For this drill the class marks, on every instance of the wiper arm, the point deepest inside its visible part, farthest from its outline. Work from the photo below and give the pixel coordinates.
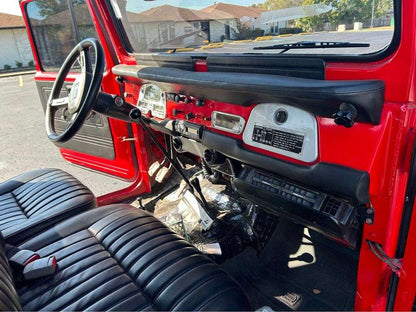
(313, 45)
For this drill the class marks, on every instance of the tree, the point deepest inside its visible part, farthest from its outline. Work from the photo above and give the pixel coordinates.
(52, 7)
(271, 5)
(345, 12)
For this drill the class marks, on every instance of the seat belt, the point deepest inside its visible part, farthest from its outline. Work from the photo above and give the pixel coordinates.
(20, 257)
(28, 265)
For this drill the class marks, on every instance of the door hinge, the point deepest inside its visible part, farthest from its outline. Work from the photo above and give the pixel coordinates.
(395, 264)
(125, 139)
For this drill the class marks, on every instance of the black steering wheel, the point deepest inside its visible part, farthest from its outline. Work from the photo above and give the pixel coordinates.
(84, 92)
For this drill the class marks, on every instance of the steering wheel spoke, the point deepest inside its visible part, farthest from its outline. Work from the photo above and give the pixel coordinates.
(71, 120)
(86, 66)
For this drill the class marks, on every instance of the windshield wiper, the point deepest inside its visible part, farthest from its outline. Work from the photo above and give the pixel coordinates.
(313, 45)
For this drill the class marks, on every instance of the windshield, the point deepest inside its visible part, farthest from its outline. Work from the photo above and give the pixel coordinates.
(256, 26)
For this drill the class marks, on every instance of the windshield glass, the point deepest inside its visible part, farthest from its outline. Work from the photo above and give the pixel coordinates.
(257, 26)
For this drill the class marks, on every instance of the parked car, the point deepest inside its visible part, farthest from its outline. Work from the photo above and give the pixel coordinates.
(269, 174)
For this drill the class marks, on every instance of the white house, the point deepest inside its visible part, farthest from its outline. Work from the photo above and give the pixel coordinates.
(14, 40)
(271, 21)
(170, 26)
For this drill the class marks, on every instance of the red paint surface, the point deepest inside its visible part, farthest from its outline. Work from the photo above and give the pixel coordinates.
(383, 150)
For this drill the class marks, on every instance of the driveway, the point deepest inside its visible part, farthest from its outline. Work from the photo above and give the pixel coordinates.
(23, 141)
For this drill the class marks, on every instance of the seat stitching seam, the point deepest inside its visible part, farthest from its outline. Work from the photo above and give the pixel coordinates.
(158, 255)
(173, 279)
(194, 288)
(110, 291)
(18, 205)
(69, 277)
(85, 293)
(116, 250)
(166, 266)
(78, 285)
(214, 297)
(72, 243)
(128, 231)
(154, 247)
(130, 248)
(128, 297)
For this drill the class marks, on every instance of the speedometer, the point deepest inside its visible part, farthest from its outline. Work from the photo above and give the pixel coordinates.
(152, 100)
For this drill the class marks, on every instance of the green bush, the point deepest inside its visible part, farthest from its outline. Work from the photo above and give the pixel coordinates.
(19, 64)
(290, 30)
(31, 63)
(7, 67)
(258, 32)
(245, 32)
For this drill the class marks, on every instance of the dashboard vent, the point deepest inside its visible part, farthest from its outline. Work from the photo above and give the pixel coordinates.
(332, 206)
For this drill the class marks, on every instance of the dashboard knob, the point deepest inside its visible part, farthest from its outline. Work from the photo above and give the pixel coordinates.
(281, 116)
(135, 114)
(346, 115)
(200, 102)
(176, 111)
(190, 116)
(177, 98)
(177, 144)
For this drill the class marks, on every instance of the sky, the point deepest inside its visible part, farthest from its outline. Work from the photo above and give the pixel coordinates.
(10, 7)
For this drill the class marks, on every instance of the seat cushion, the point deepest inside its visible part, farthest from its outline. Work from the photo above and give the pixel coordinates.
(36, 200)
(121, 258)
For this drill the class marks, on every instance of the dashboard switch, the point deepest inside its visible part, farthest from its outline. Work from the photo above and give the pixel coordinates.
(200, 102)
(190, 116)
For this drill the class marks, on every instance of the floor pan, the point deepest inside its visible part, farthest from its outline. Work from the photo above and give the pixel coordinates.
(298, 270)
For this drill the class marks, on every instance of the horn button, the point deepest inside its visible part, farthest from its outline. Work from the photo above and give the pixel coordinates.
(75, 95)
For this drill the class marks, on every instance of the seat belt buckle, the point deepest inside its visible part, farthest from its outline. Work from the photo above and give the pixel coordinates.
(23, 257)
(40, 268)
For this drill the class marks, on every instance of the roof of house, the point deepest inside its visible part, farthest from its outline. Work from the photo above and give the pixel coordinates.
(237, 11)
(166, 13)
(218, 11)
(11, 21)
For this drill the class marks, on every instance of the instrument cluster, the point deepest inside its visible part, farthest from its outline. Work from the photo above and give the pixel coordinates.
(152, 100)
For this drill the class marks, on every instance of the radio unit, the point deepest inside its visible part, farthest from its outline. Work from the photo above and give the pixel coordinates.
(324, 213)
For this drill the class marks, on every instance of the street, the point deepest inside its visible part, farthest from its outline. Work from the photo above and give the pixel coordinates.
(377, 39)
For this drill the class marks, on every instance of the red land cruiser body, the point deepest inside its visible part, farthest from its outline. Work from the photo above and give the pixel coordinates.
(317, 135)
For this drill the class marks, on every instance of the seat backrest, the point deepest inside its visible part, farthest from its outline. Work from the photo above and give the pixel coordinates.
(9, 300)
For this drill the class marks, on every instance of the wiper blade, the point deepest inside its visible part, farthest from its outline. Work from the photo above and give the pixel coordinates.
(313, 45)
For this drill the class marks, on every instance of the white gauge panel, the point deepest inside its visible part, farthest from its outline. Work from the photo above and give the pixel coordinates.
(152, 100)
(284, 130)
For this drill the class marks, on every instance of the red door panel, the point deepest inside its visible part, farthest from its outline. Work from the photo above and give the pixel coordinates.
(86, 149)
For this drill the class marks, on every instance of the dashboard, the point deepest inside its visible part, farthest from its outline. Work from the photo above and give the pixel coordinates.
(266, 142)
